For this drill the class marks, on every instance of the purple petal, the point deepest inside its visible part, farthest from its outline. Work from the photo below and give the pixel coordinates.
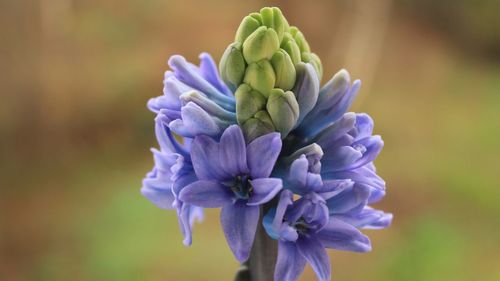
(331, 134)
(330, 188)
(205, 158)
(314, 252)
(158, 192)
(209, 71)
(195, 121)
(341, 157)
(306, 89)
(273, 220)
(364, 125)
(262, 154)
(343, 236)
(264, 190)
(239, 223)
(348, 199)
(206, 194)
(368, 218)
(232, 151)
(290, 263)
(189, 75)
(370, 147)
(298, 172)
(187, 216)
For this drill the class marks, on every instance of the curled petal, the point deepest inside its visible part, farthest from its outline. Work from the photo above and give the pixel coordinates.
(371, 147)
(158, 192)
(343, 236)
(208, 69)
(348, 199)
(264, 190)
(368, 218)
(195, 121)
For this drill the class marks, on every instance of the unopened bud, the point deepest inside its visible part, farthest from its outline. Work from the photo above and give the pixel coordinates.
(248, 103)
(259, 125)
(260, 76)
(291, 47)
(247, 26)
(273, 18)
(284, 70)
(232, 66)
(261, 44)
(300, 39)
(283, 110)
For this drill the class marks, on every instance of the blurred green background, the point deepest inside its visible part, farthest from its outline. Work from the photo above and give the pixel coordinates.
(75, 133)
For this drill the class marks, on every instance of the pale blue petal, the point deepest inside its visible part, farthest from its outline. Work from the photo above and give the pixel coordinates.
(262, 154)
(239, 223)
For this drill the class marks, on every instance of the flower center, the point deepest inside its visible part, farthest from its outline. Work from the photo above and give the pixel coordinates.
(301, 226)
(241, 187)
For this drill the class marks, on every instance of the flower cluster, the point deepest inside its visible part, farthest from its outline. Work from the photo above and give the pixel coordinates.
(264, 133)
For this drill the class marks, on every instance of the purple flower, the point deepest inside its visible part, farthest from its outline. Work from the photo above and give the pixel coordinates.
(304, 229)
(172, 172)
(195, 100)
(234, 176)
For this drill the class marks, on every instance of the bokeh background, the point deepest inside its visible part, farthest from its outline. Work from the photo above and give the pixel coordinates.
(75, 134)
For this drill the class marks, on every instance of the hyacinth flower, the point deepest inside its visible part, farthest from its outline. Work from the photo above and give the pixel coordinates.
(304, 230)
(172, 171)
(258, 137)
(195, 100)
(234, 176)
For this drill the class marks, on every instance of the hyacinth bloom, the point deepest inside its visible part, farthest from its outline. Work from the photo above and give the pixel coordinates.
(234, 176)
(172, 171)
(304, 230)
(260, 135)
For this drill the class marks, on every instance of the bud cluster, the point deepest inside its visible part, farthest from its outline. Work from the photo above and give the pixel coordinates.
(263, 67)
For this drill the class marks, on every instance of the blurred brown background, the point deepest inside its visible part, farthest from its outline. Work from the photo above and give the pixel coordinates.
(75, 133)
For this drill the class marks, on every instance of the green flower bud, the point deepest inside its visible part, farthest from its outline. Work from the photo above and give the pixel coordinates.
(232, 66)
(273, 18)
(248, 103)
(247, 27)
(257, 126)
(313, 59)
(257, 17)
(260, 76)
(291, 47)
(283, 109)
(300, 39)
(284, 70)
(261, 44)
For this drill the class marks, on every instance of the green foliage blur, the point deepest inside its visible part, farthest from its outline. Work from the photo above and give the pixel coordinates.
(75, 134)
